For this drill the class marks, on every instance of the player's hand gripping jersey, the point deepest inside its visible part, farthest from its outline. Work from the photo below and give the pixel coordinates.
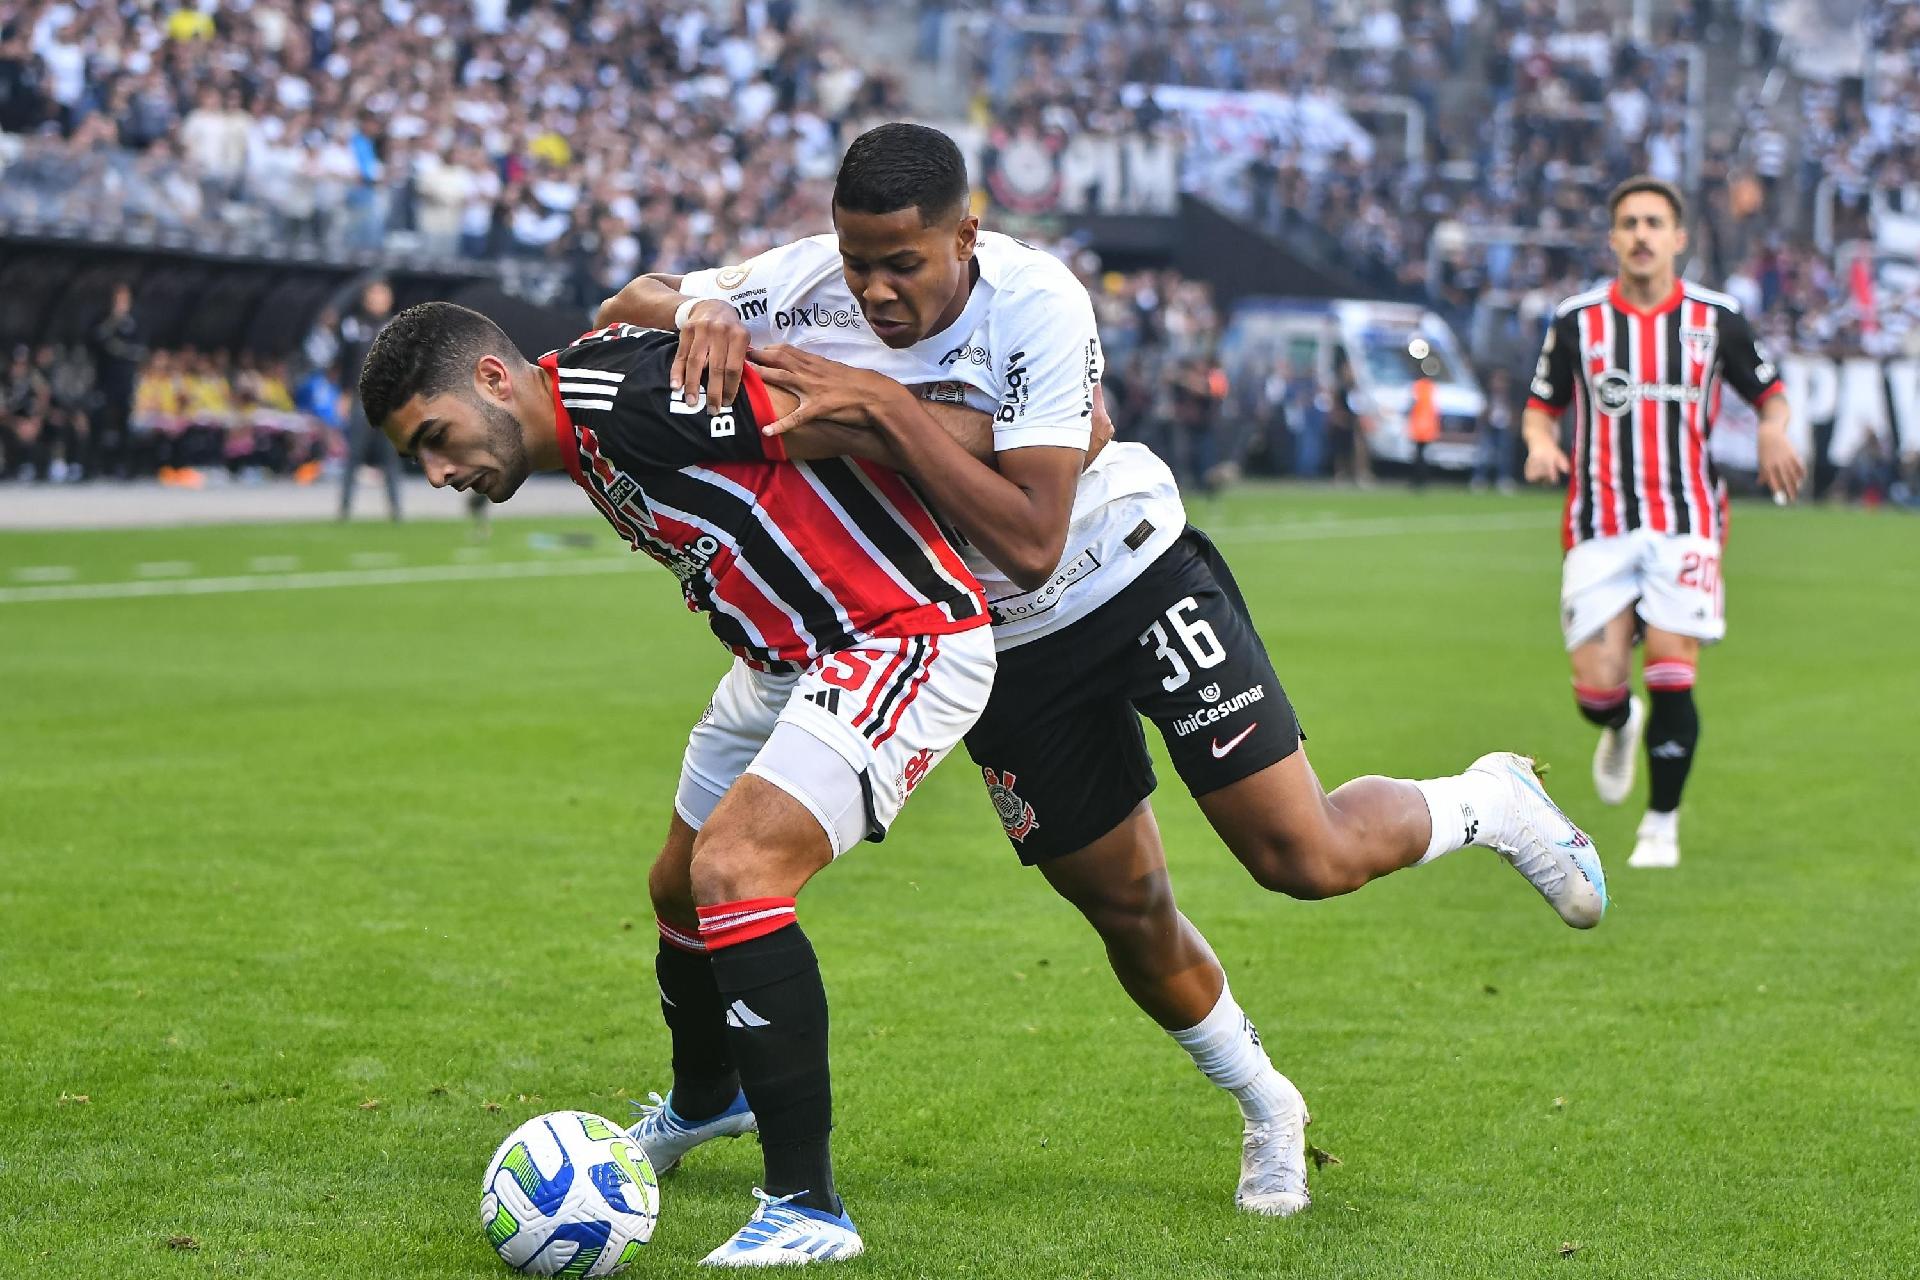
(790, 560)
(1645, 389)
(1025, 350)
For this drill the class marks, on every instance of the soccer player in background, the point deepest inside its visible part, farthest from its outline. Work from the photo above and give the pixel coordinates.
(861, 651)
(1641, 362)
(1106, 606)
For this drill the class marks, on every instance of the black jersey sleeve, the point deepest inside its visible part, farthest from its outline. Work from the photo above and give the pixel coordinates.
(1552, 387)
(1744, 365)
(616, 382)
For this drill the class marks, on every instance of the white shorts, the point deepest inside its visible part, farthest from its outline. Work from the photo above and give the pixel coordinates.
(849, 738)
(1672, 579)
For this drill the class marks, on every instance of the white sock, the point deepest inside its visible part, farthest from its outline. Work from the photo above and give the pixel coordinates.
(1463, 808)
(1227, 1050)
(1661, 824)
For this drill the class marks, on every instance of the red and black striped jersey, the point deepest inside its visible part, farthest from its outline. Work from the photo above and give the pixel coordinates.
(1645, 389)
(789, 560)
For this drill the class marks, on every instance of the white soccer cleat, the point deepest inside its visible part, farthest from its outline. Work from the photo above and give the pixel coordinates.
(780, 1234)
(1657, 843)
(665, 1137)
(1273, 1162)
(1614, 758)
(1542, 843)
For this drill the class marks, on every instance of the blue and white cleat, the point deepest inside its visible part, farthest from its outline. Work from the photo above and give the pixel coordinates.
(665, 1137)
(780, 1234)
(1543, 844)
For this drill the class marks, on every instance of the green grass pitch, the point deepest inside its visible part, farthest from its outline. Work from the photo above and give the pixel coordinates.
(308, 896)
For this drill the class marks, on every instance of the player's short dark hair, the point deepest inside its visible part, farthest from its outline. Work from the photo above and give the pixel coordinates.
(1646, 182)
(427, 350)
(902, 166)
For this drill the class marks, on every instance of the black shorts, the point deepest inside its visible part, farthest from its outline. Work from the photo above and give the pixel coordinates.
(1060, 745)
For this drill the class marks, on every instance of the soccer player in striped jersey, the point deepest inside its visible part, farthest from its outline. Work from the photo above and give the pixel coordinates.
(862, 655)
(1641, 362)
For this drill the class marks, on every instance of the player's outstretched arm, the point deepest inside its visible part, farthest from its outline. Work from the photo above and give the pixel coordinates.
(1546, 461)
(713, 338)
(825, 438)
(1016, 516)
(971, 429)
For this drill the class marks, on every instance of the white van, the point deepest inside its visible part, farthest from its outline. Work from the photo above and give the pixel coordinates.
(1373, 337)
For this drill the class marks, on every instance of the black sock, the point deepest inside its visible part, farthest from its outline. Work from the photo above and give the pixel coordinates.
(1607, 708)
(704, 1080)
(777, 1027)
(1673, 731)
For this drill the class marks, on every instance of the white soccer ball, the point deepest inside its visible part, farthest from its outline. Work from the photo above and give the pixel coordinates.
(569, 1194)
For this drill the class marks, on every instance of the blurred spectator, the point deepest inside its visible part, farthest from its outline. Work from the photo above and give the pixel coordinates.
(365, 444)
(1423, 415)
(117, 355)
(1494, 463)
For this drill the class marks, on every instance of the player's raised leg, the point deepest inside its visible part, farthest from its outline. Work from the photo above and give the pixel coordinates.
(1673, 734)
(1119, 883)
(1297, 839)
(1203, 675)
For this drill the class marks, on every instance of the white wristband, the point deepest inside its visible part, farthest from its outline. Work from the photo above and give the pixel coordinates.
(684, 310)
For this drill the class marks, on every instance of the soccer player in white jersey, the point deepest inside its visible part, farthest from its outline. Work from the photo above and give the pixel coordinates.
(1106, 606)
(1641, 362)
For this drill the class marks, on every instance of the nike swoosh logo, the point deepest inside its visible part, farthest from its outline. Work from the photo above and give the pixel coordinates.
(1220, 752)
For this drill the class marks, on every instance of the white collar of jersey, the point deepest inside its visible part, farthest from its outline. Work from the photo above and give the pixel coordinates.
(991, 249)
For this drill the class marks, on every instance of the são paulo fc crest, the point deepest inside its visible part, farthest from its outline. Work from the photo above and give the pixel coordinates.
(1016, 815)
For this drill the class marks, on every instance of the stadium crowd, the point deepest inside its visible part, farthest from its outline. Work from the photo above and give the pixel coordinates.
(191, 415)
(595, 140)
(595, 137)
(1531, 111)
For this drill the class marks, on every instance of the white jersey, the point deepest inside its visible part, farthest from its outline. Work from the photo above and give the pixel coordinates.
(1024, 350)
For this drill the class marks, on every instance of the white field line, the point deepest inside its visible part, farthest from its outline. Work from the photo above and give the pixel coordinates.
(58, 586)
(314, 581)
(373, 559)
(45, 573)
(273, 564)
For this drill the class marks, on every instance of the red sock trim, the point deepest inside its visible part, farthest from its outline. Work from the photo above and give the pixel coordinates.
(728, 924)
(1670, 676)
(679, 939)
(1599, 699)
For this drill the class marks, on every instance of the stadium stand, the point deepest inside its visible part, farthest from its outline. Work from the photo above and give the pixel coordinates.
(1454, 152)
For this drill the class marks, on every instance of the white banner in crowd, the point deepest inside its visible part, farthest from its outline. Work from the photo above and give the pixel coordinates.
(1093, 173)
(1863, 397)
(1226, 128)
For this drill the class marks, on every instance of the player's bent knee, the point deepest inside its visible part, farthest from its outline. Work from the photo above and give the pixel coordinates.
(730, 873)
(670, 887)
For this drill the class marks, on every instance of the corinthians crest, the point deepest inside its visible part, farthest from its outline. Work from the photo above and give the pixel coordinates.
(1016, 815)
